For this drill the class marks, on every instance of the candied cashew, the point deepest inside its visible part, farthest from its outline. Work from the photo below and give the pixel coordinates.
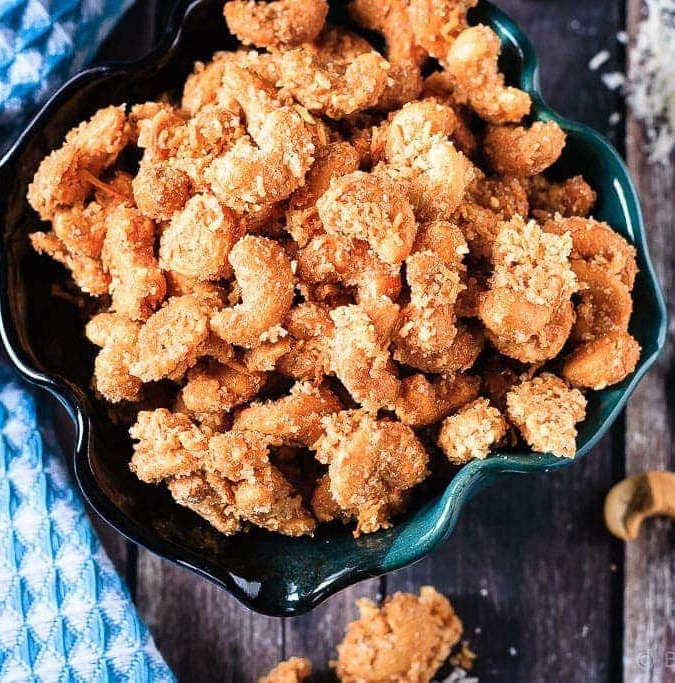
(264, 274)
(337, 258)
(390, 18)
(159, 190)
(332, 161)
(458, 357)
(372, 208)
(167, 445)
(636, 498)
(423, 402)
(443, 238)
(262, 495)
(603, 361)
(520, 151)
(597, 243)
(437, 23)
(408, 637)
(471, 63)
(269, 163)
(137, 285)
(361, 360)
(292, 670)
(198, 239)
(427, 324)
(419, 154)
(506, 196)
(413, 128)
(337, 75)
(572, 197)
(371, 464)
(81, 228)
(214, 387)
(279, 24)
(532, 278)
(310, 328)
(472, 432)
(545, 410)
(117, 336)
(87, 272)
(68, 175)
(546, 344)
(178, 284)
(172, 339)
(204, 84)
(214, 503)
(294, 419)
(605, 303)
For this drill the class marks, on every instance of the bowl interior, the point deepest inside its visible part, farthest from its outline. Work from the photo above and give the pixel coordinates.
(43, 332)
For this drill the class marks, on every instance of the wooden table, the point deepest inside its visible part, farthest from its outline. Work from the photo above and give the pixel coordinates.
(545, 593)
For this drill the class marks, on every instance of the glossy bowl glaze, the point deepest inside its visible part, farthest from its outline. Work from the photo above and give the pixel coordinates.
(43, 335)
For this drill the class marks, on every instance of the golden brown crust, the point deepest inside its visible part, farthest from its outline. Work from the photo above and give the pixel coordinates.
(65, 177)
(520, 151)
(437, 23)
(371, 464)
(596, 242)
(603, 361)
(171, 340)
(337, 75)
(117, 336)
(265, 277)
(471, 63)
(572, 197)
(472, 432)
(407, 639)
(295, 419)
(424, 402)
(315, 247)
(292, 670)
(545, 411)
(277, 24)
(137, 285)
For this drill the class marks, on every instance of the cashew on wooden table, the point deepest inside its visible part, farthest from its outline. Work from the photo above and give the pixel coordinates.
(632, 500)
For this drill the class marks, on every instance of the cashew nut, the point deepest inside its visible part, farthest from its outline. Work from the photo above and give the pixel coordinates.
(263, 272)
(636, 498)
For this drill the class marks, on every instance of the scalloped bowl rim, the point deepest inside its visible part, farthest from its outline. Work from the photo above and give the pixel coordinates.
(468, 480)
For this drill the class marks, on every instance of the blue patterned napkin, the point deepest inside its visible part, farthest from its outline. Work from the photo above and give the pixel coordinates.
(65, 615)
(42, 42)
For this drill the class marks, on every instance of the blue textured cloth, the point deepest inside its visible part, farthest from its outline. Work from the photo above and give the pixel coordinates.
(42, 42)
(65, 615)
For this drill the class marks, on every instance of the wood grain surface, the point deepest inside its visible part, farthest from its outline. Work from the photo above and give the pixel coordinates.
(545, 593)
(649, 611)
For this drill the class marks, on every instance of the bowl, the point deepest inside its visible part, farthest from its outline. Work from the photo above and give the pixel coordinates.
(43, 335)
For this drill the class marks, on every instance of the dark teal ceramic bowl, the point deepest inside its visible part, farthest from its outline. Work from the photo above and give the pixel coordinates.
(43, 337)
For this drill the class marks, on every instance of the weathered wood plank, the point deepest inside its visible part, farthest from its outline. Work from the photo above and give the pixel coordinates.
(530, 568)
(530, 571)
(649, 635)
(204, 634)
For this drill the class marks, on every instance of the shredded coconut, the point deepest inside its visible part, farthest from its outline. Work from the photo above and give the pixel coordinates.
(613, 80)
(651, 95)
(598, 60)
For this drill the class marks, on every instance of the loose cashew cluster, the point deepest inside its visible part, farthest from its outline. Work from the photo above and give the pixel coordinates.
(322, 274)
